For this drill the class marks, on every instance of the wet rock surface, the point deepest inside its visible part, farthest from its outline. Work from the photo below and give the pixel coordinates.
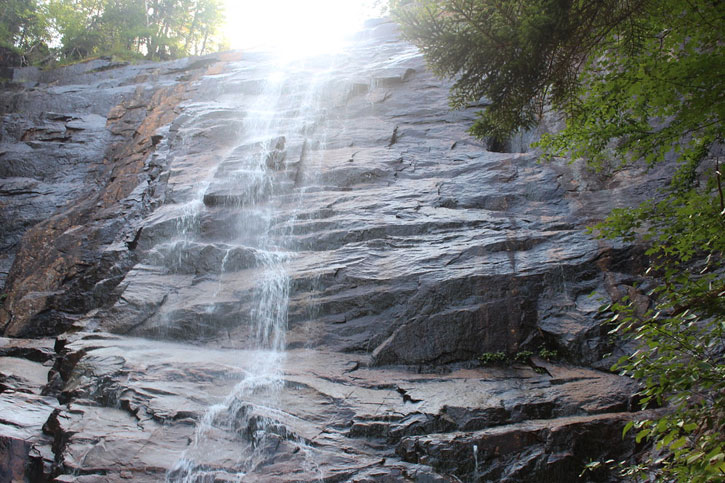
(408, 250)
(77, 171)
(25, 451)
(134, 404)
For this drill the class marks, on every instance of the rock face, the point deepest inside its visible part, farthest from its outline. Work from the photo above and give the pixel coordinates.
(174, 225)
(76, 167)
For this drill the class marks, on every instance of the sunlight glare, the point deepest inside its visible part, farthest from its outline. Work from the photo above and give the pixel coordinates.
(294, 27)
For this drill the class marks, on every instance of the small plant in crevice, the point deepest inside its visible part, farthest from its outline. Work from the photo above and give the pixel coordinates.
(492, 358)
(523, 357)
(548, 355)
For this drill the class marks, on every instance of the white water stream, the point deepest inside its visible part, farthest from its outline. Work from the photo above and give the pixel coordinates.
(279, 123)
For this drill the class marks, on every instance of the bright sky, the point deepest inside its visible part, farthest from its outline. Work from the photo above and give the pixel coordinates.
(296, 27)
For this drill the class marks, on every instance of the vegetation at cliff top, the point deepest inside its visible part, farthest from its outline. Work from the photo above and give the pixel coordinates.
(635, 81)
(42, 32)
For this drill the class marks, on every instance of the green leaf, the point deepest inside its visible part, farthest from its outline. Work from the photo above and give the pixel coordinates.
(627, 427)
(643, 433)
(678, 443)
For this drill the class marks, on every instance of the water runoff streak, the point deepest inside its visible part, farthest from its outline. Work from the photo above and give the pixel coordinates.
(256, 180)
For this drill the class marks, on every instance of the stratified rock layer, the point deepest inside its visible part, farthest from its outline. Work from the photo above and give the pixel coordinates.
(409, 249)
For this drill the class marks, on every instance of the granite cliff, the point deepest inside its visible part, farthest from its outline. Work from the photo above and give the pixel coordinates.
(154, 213)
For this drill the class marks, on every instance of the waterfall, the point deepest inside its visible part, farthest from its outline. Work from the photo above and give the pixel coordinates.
(263, 271)
(261, 169)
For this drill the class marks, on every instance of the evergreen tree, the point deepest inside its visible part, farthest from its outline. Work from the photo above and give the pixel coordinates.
(635, 81)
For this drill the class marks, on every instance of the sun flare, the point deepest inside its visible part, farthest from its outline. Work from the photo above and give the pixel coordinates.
(294, 27)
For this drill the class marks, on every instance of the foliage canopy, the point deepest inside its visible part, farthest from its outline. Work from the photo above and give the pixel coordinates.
(24, 28)
(635, 81)
(155, 29)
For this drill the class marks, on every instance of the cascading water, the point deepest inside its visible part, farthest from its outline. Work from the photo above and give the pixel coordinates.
(257, 175)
